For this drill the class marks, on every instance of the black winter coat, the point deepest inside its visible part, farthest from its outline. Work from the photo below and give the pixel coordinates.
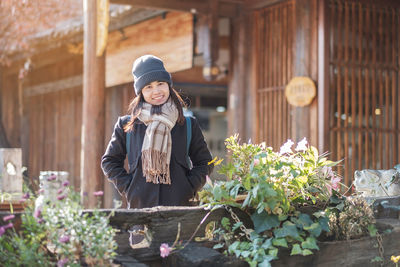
(185, 182)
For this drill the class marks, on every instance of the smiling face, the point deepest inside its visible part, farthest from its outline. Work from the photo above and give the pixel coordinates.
(156, 93)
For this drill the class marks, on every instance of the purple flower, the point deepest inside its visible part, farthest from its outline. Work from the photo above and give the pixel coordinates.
(9, 225)
(66, 183)
(60, 197)
(8, 217)
(2, 231)
(37, 213)
(40, 220)
(62, 262)
(98, 193)
(64, 239)
(26, 196)
(51, 178)
(164, 250)
(59, 191)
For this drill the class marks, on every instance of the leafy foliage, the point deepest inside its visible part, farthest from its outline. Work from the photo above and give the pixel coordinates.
(276, 188)
(59, 233)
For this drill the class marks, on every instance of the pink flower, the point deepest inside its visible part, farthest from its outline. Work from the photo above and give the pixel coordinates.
(37, 213)
(62, 262)
(208, 180)
(256, 162)
(165, 250)
(10, 225)
(41, 190)
(51, 178)
(302, 145)
(60, 197)
(66, 183)
(334, 183)
(98, 193)
(2, 231)
(64, 239)
(286, 148)
(8, 217)
(59, 191)
(335, 180)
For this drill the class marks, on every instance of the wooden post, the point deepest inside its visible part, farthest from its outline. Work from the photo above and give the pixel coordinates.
(323, 77)
(3, 137)
(304, 119)
(92, 139)
(239, 95)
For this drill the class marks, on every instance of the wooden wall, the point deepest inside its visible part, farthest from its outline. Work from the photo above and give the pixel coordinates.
(284, 46)
(364, 62)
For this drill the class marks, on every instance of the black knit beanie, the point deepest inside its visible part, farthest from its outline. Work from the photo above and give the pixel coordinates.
(147, 69)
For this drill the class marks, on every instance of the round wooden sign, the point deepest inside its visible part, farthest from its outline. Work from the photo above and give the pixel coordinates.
(300, 91)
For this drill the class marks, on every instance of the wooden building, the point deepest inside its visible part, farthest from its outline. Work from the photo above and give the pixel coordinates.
(349, 48)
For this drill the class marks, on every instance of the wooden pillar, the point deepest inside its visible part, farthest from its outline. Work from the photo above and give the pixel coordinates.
(323, 76)
(239, 92)
(93, 123)
(3, 136)
(304, 119)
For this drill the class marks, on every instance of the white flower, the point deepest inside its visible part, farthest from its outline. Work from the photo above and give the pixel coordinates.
(285, 149)
(302, 145)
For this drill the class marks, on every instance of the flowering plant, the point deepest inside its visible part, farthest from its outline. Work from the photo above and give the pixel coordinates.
(276, 187)
(58, 233)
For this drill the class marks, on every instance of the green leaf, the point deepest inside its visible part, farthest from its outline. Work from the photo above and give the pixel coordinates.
(315, 229)
(288, 229)
(324, 222)
(304, 220)
(372, 230)
(236, 225)
(245, 254)
(264, 221)
(266, 262)
(267, 244)
(220, 245)
(281, 242)
(217, 192)
(296, 250)
(273, 252)
(310, 243)
(226, 223)
(282, 217)
(307, 252)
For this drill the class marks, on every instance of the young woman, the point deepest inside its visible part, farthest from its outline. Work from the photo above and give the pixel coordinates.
(159, 172)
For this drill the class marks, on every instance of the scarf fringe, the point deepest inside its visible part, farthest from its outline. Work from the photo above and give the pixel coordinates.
(151, 159)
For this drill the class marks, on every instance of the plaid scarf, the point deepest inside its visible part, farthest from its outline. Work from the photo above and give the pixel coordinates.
(157, 143)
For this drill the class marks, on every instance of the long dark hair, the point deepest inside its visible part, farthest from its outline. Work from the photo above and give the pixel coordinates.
(136, 105)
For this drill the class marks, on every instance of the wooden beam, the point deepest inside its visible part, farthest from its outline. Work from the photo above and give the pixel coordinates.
(258, 4)
(50, 87)
(92, 138)
(227, 8)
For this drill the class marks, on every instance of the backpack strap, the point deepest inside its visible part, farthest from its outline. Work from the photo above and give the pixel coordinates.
(188, 139)
(128, 145)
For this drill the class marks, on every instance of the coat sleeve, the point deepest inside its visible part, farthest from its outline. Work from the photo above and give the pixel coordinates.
(112, 162)
(200, 156)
